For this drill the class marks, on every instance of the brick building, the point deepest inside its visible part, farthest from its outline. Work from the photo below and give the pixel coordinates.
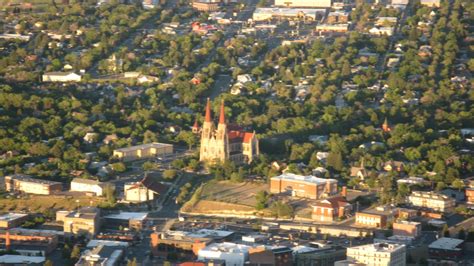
(330, 209)
(303, 186)
(270, 255)
(470, 195)
(29, 241)
(407, 228)
(337, 17)
(185, 244)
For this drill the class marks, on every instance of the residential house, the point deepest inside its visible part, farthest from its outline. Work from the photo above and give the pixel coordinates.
(393, 166)
(145, 190)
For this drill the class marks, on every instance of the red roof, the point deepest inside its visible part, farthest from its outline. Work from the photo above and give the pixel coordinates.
(208, 111)
(246, 137)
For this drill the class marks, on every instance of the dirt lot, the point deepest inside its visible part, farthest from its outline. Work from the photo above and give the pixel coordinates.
(236, 193)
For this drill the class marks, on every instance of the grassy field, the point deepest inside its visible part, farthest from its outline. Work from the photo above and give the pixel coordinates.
(236, 193)
(41, 203)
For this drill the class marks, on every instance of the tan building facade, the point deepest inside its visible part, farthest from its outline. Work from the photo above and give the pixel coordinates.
(226, 143)
(303, 186)
(432, 200)
(372, 220)
(29, 185)
(143, 151)
(85, 221)
(379, 254)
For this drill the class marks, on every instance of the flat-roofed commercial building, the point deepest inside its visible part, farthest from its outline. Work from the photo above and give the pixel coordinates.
(186, 244)
(29, 240)
(378, 254)
(445, 251)
(143, 151)
(11, 220)
(304, 3)
(85, 221)
(303, 186)
(29, 185)
(432, 200)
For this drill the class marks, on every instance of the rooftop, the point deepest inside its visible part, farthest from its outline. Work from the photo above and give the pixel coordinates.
(287, 11)
(226, 247)
(379, 247)
(85, 181)
(27, 178)
(98, 242)
(302, 178)
(11, 216)
(446, 243)
(23, 260)
(128, 216)
(144, 146)
(430, 194)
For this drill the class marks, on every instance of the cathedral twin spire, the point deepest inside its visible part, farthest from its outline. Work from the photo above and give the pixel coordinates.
(208, 112)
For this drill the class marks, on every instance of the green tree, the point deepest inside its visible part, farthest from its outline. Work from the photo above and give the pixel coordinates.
(262, 198)
(170, 174)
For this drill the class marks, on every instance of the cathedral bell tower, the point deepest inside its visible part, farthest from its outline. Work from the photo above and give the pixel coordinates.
(222, 138)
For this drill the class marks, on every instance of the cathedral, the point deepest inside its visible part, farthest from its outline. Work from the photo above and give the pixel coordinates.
(226, 142)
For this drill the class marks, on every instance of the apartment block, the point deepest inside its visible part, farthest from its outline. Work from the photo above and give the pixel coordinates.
(432, 200)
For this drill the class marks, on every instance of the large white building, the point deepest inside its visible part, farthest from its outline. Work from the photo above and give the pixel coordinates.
(143, 151)
(61, 77)
(432, 200)
(233, 254)
(268, 13)
(379, 254)
(88, 185)
(304, 3)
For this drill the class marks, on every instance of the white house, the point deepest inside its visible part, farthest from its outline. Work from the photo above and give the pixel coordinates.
(88, 185)
(61, 77)
(381, 31)
(244, 78)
